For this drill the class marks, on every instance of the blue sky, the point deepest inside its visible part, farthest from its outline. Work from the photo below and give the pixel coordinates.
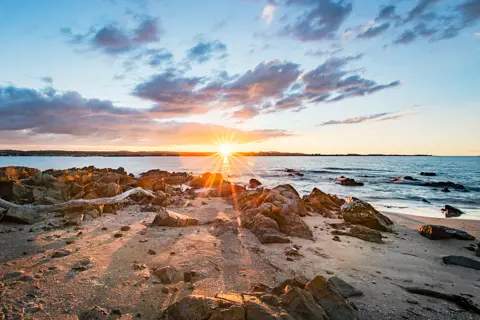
(317, 76)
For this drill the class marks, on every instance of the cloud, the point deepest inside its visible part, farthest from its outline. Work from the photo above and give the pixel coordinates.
(320, 21)
(269, 11)
(271, 86)
(112, 39)
(30, 116)
(384, 116)
(374, 31)
(207, 50)
(419, 10)
(406, 37)
(387, 13)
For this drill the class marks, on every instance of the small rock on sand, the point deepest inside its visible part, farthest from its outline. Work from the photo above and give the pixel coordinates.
(61, 253)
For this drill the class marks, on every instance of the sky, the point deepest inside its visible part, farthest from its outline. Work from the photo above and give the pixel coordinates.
(312, 76)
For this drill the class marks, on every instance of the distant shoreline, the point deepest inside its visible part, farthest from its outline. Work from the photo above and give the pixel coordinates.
(62, 153)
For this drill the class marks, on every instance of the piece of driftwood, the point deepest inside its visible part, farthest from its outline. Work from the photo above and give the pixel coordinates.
(29, 213)
(463, 302)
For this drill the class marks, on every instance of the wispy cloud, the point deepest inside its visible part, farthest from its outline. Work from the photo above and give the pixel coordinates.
(269, 11)
(384, 116)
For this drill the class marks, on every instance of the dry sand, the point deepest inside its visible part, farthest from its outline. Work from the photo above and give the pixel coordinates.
(229, 263)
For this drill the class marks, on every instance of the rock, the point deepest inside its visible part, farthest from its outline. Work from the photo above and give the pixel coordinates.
(226, 189)
(166, 218)
(166, 274)
(336, 307)
(445, 189)
(256, 309)
(145, 183)
(300, 304)
(61, 253)
(173, 178)
(125, 228)
(118, 235)
(336, 238)
(361, 232)
(428, 174)
(293, 172)
(282, 204)
(151, 252)
(254, 183)
(266, 230)
(299, 282)
(462, 261)
(138, 266)
(207, 180)
(434, 232)
(83, 264)
(260, 287)
(188, 276)
(346, 290)
(452, 212)
(111, 190)
(348, 182)
(96, 313)
(192, 308)
(165, 290)
(159, 185)
(16, 173)
(356, 211)
(477, 252)
(12, 275)
(442, 184)
(324, 204)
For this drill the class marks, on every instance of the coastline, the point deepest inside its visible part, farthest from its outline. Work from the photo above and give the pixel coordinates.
(61, 267)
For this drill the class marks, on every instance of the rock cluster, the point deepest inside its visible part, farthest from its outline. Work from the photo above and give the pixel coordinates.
(324, 204)
(297, 299)
(273, 214)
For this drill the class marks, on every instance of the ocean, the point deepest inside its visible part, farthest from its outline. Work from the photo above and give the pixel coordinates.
(375, 172)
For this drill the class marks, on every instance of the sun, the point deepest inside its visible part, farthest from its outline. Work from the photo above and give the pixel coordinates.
(225, 150)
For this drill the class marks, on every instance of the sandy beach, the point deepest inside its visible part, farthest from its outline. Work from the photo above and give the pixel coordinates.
(120, 274)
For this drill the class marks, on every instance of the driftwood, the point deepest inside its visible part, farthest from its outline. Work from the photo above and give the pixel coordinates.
(29, 213)
(461, 301)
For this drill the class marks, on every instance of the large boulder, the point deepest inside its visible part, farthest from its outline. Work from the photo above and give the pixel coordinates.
(173, 178)
(345, 289)
(434, 232)
(356, 211)
(282, 204)
(226, 189)
(145, 183)
(207, 180)
(324, 204)
(254, 183)
(266, 230)
(325, 294)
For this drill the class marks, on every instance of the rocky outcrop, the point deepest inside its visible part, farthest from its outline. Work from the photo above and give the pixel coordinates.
(170, 178)
(292, 172)
(316, 299)
(348, 182)
(281, 204)
(324, 204)
(428, 174)
(356, 211)
(434, 232)
(226, 189)
(452, 212)
(345, 289)
(448, 184)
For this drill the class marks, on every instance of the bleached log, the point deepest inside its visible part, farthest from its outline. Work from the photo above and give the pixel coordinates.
(29, 213)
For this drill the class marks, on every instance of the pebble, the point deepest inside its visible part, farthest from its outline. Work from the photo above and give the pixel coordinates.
(151, 252)
(336, 238)
(118, 235)
(165, 290)
(125, 228)
(61, 253)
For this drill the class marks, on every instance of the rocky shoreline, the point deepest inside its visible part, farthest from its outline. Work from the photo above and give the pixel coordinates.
(205, 236)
